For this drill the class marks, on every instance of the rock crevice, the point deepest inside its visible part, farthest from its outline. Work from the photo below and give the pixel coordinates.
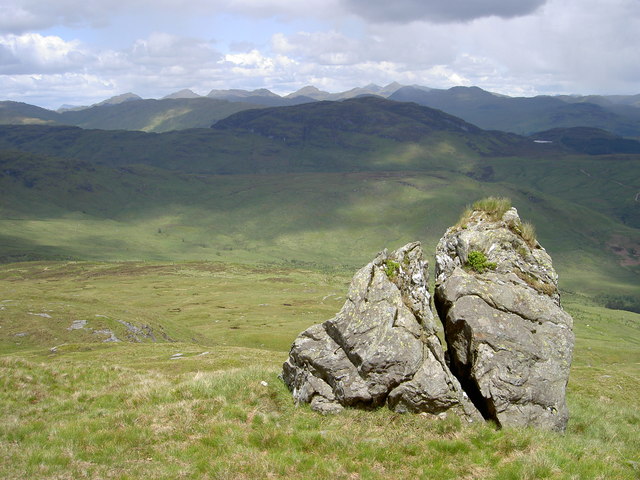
(510, 342)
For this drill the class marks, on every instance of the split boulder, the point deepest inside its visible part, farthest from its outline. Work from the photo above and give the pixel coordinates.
(509, 340)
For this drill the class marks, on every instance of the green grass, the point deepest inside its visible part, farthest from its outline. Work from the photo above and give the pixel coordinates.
(495, 207)
(528, 233)
(477, 261)
(223, 246)
(212, 304)
(313, 219)
(137, 410)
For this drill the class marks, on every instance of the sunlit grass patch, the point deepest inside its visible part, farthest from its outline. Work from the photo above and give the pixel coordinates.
(192, 410)
(495, 207)
(528, 233)
(209, 420)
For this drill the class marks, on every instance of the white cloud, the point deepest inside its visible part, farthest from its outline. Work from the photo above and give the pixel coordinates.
(324, 48)
(53, 90)
(576, 46)
(20, 16)
(38, 65)
(34, 53)
(166, 49)
(555, 46)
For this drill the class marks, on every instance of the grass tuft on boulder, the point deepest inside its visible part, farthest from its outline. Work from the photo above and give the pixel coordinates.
(495, 207)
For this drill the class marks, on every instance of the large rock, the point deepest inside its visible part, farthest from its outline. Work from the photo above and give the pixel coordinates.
(509, 340)
(381, 348)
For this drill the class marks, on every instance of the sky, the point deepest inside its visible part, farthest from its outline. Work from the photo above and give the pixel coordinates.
(79, 52)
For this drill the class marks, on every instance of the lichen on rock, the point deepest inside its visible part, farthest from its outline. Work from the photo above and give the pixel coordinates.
(381, 348)
(509, 340)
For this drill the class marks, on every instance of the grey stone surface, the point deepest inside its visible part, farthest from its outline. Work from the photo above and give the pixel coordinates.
(381, 348)
(510, 342)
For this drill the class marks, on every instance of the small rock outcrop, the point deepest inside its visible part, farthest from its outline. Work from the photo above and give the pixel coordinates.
(381, 348)
(509, 340)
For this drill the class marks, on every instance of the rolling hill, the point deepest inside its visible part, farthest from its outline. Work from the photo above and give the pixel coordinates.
(592, 141)
(185, 109)
(134, 114)
(348, 179)
(524, 115)
(355, 134)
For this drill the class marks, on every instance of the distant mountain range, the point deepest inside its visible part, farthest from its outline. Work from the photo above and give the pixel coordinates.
(526, 115)
(317, 136)
(617, 114)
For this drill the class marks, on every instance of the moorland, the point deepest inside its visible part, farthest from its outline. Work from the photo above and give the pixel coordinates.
(205, 250)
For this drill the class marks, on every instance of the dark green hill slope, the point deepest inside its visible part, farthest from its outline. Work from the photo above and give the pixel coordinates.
(591, 141)
(358, 134)
(18, 113)
(137, 114)
(154, 115)
(322, 121)
(524, 115)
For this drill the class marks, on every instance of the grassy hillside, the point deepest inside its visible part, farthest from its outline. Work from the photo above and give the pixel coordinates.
(68, 210)
(525, 115)
(204, 400)
(591, 141)
(358, 134)
(18, 113)
(145, 115)
(155, 115)
(351, 178)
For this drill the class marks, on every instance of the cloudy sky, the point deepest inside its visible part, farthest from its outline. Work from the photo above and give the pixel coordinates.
(55, 52)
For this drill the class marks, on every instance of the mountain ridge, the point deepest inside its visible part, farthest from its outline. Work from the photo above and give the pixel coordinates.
(271, 139)
(618, 114)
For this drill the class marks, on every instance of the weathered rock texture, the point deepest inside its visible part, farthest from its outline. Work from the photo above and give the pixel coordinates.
(381, 348)
(509, 340)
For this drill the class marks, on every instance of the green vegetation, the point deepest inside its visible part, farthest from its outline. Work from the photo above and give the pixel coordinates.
(90, 409)
(478, 262)
(528, 233)
(463, 221)
(494, 207)
(542, 287)
(591, 141)
(527, 115)
(620, 302)
(145, 115)
(207, 251)
(567, 115)
(391, 268)
(71, 209)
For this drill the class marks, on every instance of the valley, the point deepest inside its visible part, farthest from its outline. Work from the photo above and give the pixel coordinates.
(151, 285)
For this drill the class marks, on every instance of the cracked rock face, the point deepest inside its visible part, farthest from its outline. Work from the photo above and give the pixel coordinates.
(509, 340)
(381, 348)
